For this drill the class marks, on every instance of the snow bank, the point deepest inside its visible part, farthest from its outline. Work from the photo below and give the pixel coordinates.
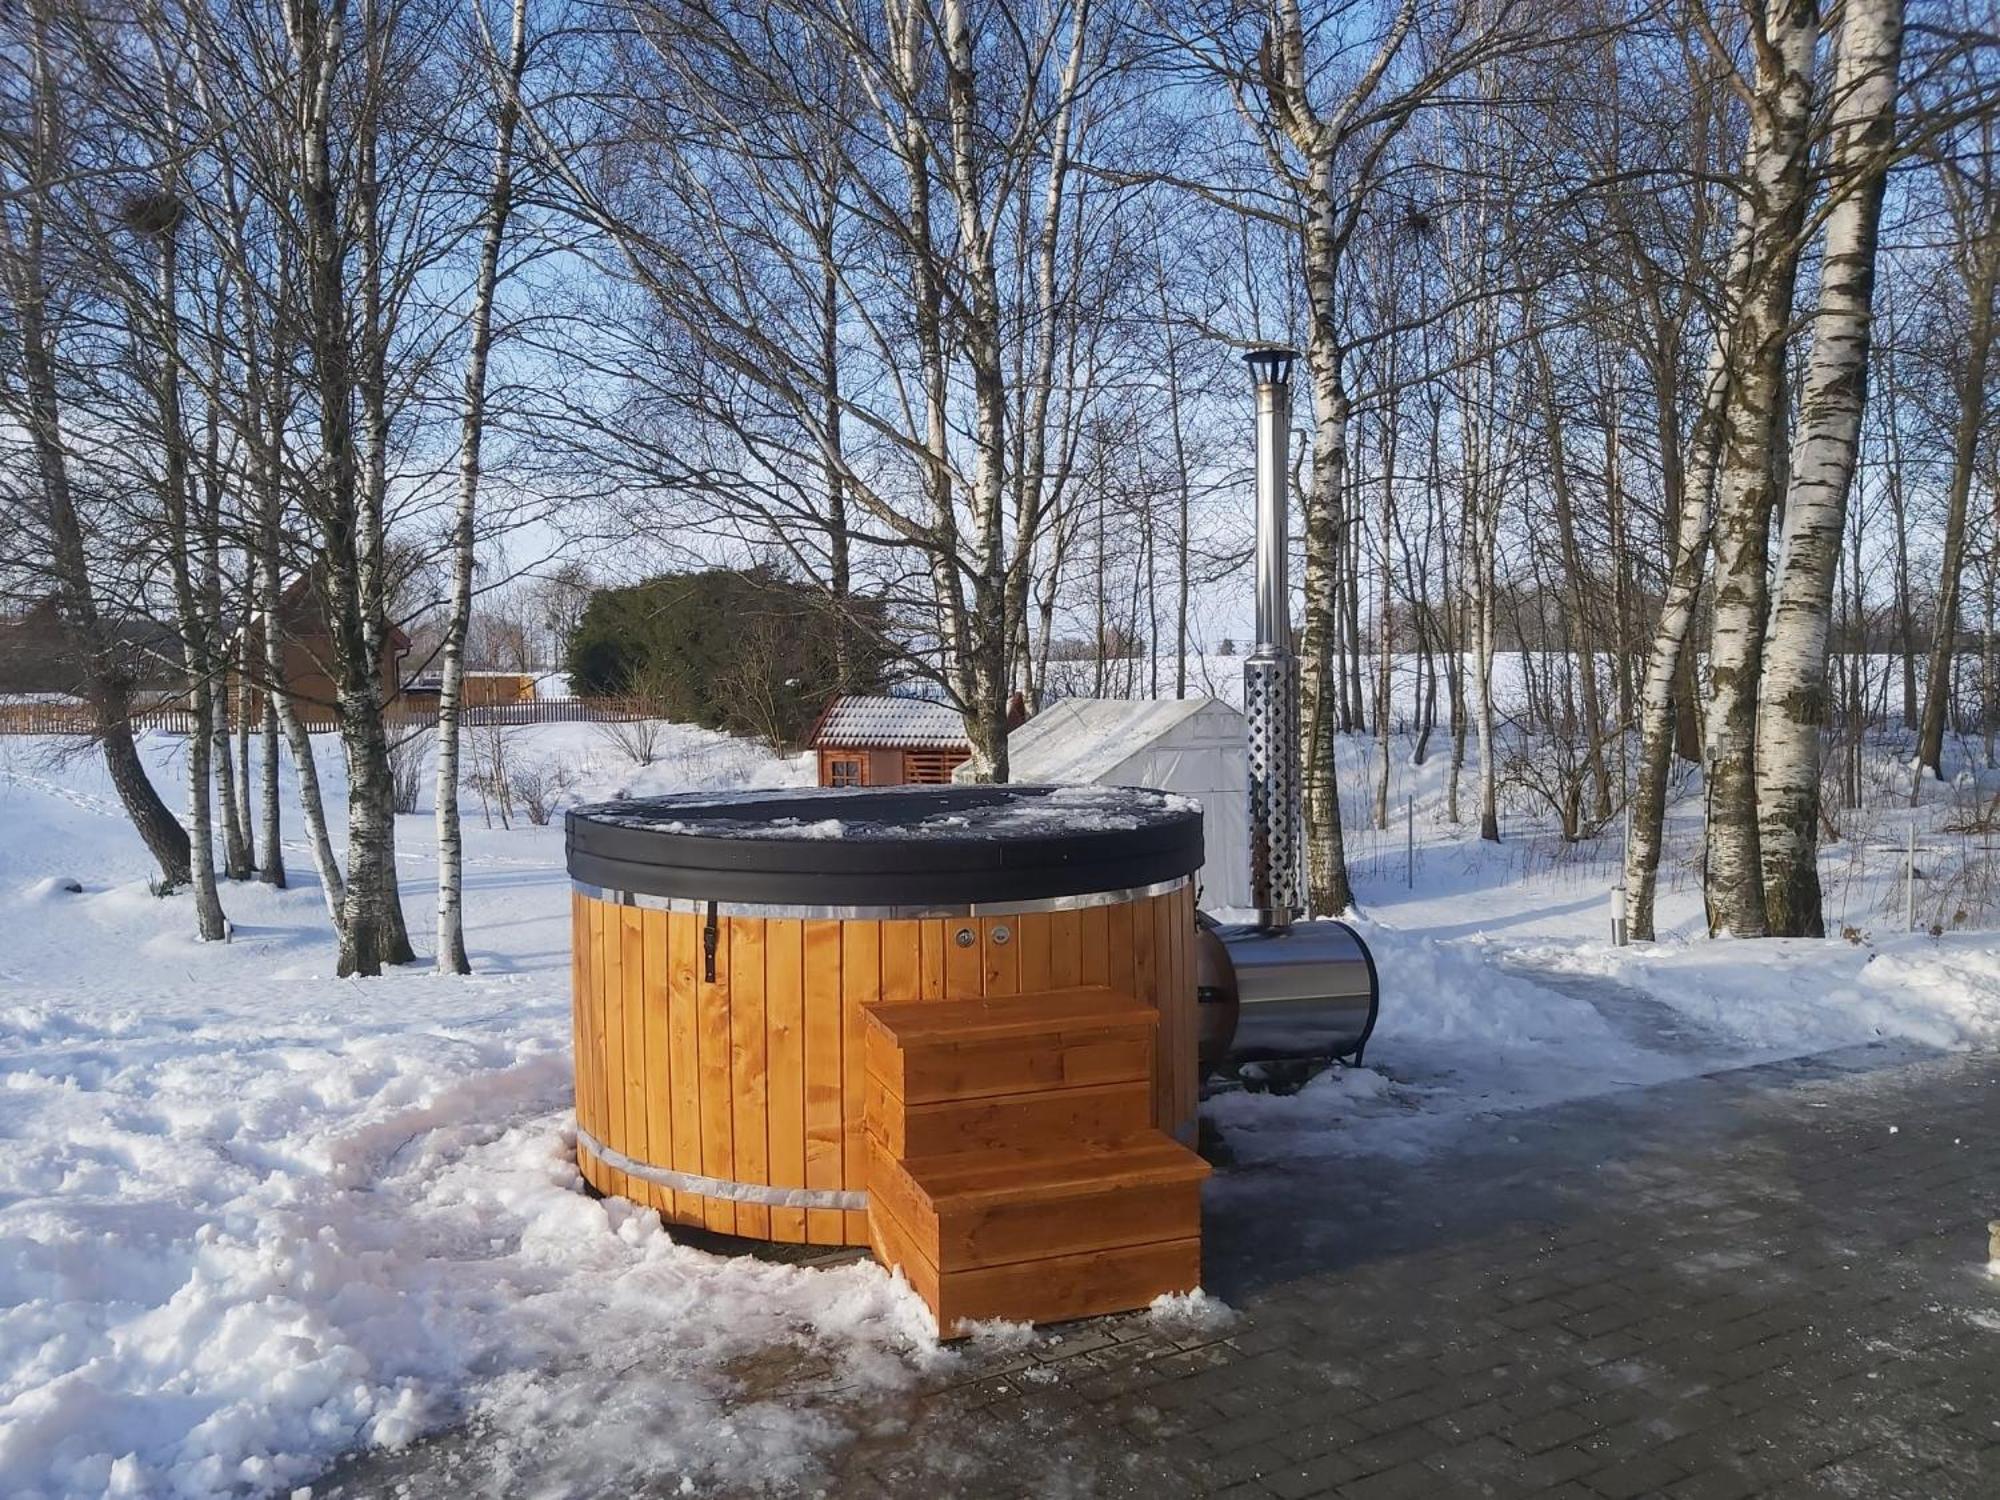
(1458, 1040)
(1793, 996)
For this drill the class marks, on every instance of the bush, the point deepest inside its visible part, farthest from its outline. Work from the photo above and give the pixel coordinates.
(745, 651)
(409, 770)
(539, 785)
(638, 740)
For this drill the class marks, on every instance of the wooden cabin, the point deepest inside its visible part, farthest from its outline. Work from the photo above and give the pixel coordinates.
(479, 690)
(308, 656)
(876, 740)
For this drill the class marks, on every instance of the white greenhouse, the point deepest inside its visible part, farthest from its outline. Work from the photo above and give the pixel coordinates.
(1194, 746)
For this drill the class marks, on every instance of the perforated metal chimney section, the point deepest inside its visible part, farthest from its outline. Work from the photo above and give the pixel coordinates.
(1271, 671)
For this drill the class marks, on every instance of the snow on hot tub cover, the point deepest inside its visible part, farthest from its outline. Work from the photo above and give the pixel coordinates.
(901, 846)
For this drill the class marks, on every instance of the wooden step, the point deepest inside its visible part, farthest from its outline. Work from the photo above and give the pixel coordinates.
(1040, 1120)
(1053, 1289)
(967, 1049)
(1030, 1013)
(988, 1208)
(1013, 1168)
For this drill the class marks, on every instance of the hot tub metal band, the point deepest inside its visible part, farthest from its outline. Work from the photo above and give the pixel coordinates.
(721, 1187)
(931, 910)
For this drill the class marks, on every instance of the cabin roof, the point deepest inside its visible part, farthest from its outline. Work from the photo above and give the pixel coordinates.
(859, 721)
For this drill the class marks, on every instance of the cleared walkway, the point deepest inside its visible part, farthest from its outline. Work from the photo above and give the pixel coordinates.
(1769, 1281)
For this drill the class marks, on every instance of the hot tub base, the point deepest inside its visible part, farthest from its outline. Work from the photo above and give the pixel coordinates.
(720, 1065)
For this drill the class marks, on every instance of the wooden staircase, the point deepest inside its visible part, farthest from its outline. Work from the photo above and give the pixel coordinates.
(1014, 1170)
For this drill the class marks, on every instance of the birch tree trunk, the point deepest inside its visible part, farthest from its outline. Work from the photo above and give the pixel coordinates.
(451, 956)
(1980, 268)
(236, 860)
(1776, 190)
(183, 547)
(271, 814)
(1792, 707)
(1574, 584)
(34, 346)
(1321, 675)
(1664, 696)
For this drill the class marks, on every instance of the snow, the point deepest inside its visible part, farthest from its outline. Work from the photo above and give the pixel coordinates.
(253, 1217)
(1794, 995)
(883, 814)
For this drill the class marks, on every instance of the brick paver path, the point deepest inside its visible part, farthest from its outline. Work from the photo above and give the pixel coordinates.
(1770, 1281)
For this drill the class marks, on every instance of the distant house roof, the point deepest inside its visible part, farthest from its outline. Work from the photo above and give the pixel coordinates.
(36, 655)
(303, 614)
(861, 722)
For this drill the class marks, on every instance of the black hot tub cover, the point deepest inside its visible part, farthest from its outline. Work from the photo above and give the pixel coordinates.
(903, 846)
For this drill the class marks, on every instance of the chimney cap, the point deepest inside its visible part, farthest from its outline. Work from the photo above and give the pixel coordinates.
(1271, 365)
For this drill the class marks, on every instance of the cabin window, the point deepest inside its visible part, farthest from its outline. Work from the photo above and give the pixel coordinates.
(843, 771)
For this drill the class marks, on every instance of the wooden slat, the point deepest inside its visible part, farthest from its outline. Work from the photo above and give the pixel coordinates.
(1188, 1074)
(1118, 938)
(1000, 955)
(895, 1247)
(632, 967)
(931, 955)
(825, 1138)
(1015, 1173)
(716, 1039)
(1037, 1228)
(659, 1058)
(1175, 1022)
(1009, 1015)
(784, 1031)
(1146, 984)
(1093, 932)
(1035, 1121)
(964, 964)
(1065, 949)
(684, 1044)
(902, 962)
(1031, 937)
(580, 1004)
(931, 1073)
(749, 1090)
(860, 986)
(610, 948)
(1063, 1287)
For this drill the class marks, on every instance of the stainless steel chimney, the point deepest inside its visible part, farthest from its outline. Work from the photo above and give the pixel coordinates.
(1271, 672)
(1307, 989)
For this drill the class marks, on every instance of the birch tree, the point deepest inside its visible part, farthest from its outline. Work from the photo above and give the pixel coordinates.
(1792, 708)
(910, 161)
(1775, 189)
(1970, 183)
(40, 168)
(451, 957)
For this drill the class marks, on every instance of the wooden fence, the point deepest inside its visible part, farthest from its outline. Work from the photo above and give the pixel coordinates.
(56, 718)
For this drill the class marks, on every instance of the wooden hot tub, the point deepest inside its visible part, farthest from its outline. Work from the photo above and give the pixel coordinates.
(727, 947)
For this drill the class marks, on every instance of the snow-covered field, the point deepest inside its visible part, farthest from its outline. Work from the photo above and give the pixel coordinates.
(252, 1217)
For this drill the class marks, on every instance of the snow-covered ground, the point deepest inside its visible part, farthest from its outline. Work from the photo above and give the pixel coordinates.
(252, 1217)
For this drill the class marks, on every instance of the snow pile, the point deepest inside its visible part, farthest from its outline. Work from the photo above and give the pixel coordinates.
(1792, 996)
